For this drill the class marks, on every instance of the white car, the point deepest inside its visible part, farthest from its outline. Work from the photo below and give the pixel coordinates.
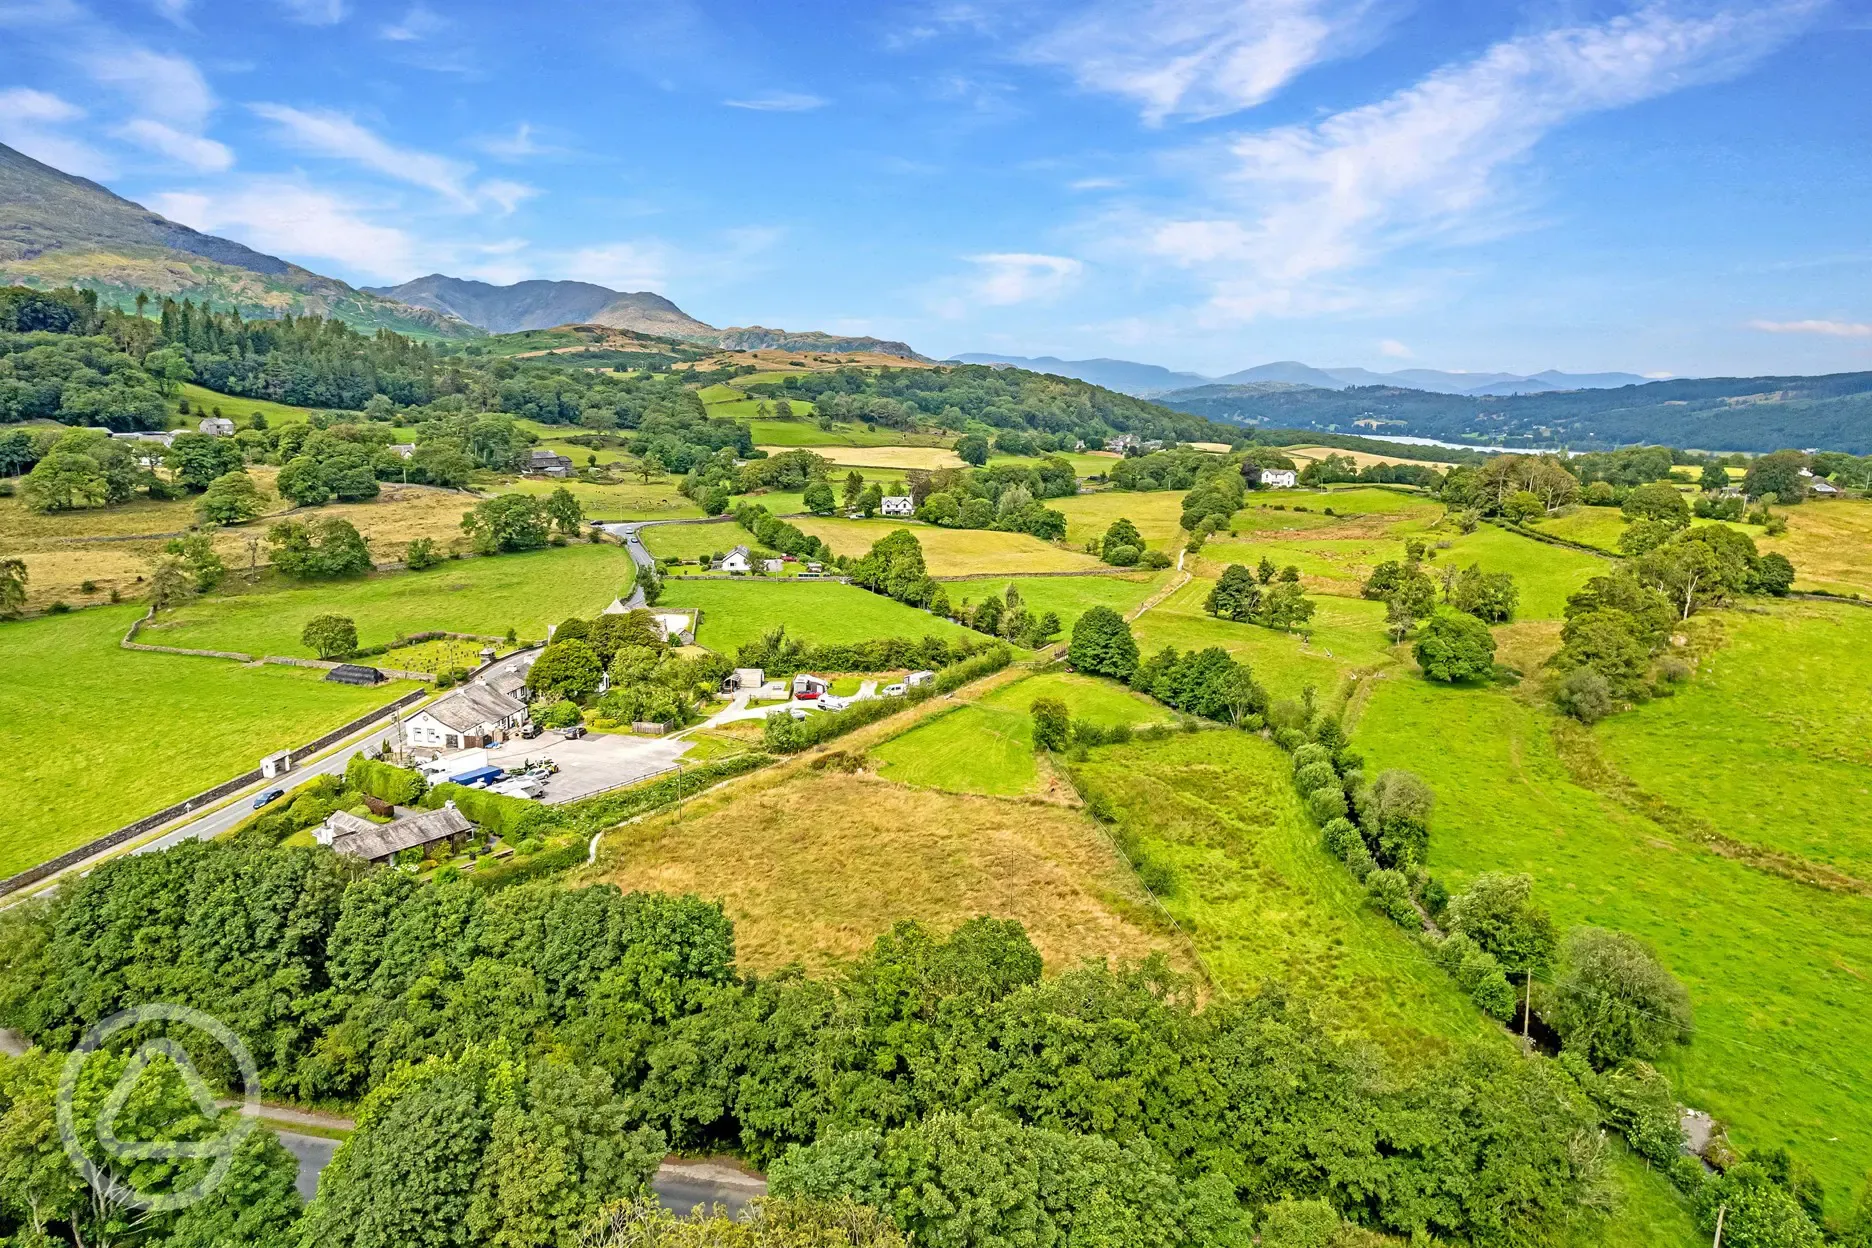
(800, 710)
(895, 691)
(830, 703)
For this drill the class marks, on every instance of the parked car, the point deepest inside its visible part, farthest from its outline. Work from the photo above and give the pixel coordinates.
(530, 731)
(895, 691)
(271, 795)
(801, 712)
(573, 733)
(807, 695)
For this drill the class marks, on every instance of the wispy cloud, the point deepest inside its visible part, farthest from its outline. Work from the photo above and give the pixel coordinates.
(516, 146)
(640, 265)
(416, 25)
(1391, 348)
(1825, 329)
(1302, 206)
(1004, 278)
(156, 83)
(780, 102)
(327, 133)
(32, 122)
(316, 12)
(194, 150)
(287, 216)
(1200, 58)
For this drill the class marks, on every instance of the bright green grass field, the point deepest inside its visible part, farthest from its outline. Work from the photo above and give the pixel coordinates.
(1263, 902)
(96, 736)
(1351, 501)
(202, 401)
(1590, 526)
(693, 541)
(1068, 597)
(1780, 973)
(524, 592)
(1348, 636)
(1084, 463)
(1764, 715)
(739, 611)
(987, 747)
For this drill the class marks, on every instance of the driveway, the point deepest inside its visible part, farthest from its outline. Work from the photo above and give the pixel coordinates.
(595, 762)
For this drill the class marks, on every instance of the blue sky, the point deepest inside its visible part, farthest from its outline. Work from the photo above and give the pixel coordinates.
(1671, 187)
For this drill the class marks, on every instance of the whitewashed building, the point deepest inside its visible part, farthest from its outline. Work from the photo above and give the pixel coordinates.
(471, 716)
(898, 505)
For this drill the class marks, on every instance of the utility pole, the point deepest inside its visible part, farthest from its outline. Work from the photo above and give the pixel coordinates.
(1719, 1221)
(1527, 1003)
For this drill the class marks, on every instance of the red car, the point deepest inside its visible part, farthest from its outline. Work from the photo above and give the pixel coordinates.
(807, 695)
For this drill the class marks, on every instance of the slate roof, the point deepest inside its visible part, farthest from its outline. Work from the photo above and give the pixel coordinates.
(471, 706)
(381, 840)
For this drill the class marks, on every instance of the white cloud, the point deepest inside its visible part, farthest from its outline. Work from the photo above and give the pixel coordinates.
(1199, 58)
(627, 266)
(418, 24)
(779, 102)
(159, 85)
(29, 122)
(284, 216)
(1301, 206)
(25, 106)
(1826, 329)
(516, 146)
(1021, 277)
(175, 10)
(333, 134)
(1395, 350)
(504, 194)
(315, 12)
(191, 149)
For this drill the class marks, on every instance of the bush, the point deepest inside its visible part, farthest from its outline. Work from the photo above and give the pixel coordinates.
(1758, 1212)
(1585, 695)
(1359, 861)
(561, 714)
(422, 554)
(1299, 1224)
(1613, 1000)
(1339, 836)
(1316, 776)
(1389, 891)
(396, 785)
(1325, 805)
(1310, 754)
(1052, 724)
(1455, 646)
(1122, 556)
(1478, 973)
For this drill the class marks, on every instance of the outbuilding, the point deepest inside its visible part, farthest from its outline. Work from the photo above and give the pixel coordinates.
(355, 674)
(807, 685)
(382, 842)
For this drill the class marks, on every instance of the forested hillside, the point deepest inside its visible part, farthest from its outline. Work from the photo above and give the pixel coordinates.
(1833, 412)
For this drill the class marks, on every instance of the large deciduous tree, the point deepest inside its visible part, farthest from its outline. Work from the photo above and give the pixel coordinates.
(1102, 644)
(1613, 1000)
(1454, 646)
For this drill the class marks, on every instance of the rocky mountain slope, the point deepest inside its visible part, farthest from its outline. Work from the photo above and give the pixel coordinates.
(58, 230)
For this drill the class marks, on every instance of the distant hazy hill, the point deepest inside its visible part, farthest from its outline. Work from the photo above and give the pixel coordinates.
(1714, 413)
(1124, 376)
(60, 230)
(1131, 377)
(544, 305)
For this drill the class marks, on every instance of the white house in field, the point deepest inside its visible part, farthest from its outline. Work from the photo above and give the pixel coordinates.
(473, 715)
(217, 426)
(736, 560)
(898, 505)
(1277, 478)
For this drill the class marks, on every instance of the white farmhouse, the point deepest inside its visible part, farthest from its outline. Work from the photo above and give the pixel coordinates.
(1278, 478)
(217, 426)
(898, 505)
(473, 715)
(736, 560)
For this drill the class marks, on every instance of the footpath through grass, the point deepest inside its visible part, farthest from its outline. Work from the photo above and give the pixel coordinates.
(524, 592)
(1779, 972)
(96, 736)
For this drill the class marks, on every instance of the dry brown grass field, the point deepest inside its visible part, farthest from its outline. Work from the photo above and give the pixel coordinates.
(58, 567)
(1158, 515)
(1829, 543)
(1304, 455)
(812, 866)
(781, 363)
(889, 457)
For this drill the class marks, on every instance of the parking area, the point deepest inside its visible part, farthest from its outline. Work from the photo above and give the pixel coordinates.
(591, 764)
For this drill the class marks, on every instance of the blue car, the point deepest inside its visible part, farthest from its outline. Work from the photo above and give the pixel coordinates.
(264, 798)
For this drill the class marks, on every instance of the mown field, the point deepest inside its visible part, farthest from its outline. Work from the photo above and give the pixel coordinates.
(658, 499)
(203, 402)
(1068, 597)
(1158, 515)
(739, 611)
(1780, 971)
(953, 552)
(96, 736)
(987, 747)
(693, 541)
(524, 592)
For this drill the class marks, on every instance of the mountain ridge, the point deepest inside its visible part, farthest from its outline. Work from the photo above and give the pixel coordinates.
(58, 229)
(1152, 380)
